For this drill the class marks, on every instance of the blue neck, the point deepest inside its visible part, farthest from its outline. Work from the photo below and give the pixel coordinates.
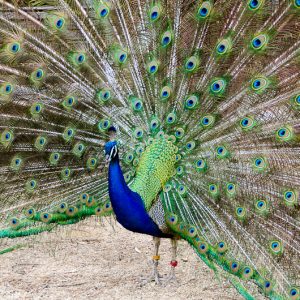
(128, 205)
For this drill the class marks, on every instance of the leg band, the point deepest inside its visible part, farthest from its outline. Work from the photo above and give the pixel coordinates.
(174, 263)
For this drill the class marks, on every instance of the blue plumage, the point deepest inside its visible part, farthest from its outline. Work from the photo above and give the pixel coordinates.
(128, 205)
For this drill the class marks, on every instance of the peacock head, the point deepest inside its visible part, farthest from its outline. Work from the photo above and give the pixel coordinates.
(111, 150)
(111, 147)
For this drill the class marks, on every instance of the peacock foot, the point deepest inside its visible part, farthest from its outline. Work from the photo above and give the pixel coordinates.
(171, 278)
(154, 276)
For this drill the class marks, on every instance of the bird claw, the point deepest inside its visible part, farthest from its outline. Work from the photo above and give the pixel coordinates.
(171, 278)
(154, 276)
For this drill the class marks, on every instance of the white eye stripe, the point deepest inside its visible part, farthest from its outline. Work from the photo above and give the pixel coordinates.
(113, 152)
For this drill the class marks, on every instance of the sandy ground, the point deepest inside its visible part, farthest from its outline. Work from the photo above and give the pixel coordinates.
(90, 260)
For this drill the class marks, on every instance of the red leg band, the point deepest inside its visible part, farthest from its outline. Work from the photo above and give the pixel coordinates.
(174, 263)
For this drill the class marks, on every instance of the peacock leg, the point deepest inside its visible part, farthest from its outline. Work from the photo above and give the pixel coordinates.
(154, 276)
(173, 262)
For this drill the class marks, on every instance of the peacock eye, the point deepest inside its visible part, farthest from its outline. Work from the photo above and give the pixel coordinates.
(245, 122)
(15, 47)
(254, 4)
(166, 39)
(293, 292)
(204, 10)
(256, 43)
(8, 88)
(281, 132)
(60, 23)
(288, 195)
(191, 64)
(39, 73)
(152, 69)
(80, 58)
(221, 48)
(122, 57)
(256, 83)
(259, 84)
(165, 93)
(155, 13)
(218, 86)
(259, 163)
(103, 12)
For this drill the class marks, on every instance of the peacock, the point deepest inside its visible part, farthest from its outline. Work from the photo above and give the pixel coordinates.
(179, 118)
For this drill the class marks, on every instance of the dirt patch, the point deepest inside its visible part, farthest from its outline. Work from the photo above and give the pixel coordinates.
(90, 260)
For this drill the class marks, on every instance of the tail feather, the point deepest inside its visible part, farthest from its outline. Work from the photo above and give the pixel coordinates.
(219, 79)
